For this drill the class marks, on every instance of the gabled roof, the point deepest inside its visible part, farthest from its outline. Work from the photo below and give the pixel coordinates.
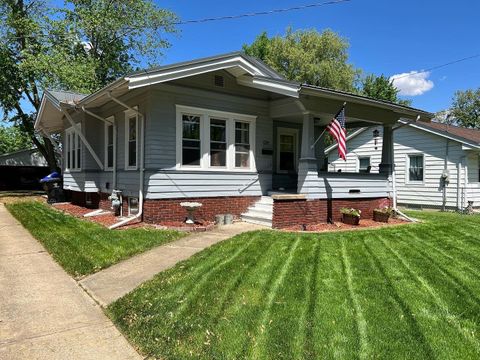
(249, 72)
(468, 137)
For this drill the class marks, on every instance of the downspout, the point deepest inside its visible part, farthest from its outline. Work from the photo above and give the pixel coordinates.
(444, 178)
(142, 164)
(459, 176)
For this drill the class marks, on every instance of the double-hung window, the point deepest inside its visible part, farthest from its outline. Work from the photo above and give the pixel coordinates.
(73, 149)
(131, 140)
(109, 145)
(214, 140)
(415, 168)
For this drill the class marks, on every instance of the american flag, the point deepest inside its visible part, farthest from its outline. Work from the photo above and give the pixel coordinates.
(337, 129)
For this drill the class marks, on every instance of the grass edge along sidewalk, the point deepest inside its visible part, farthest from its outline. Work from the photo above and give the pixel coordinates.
(83, 247)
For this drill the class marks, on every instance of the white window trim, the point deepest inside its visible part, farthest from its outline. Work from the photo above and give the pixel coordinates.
(407, 169)
(111, 120)
(128, 114)
(205, 115)
(78, 145)
(287, 131)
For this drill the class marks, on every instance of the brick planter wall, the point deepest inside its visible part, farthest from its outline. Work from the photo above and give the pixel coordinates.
(301, 211)
(170, 209)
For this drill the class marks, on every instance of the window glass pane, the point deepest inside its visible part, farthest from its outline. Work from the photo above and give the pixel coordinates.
(79, 154)
(242, 144)
(132, 128)
(218, 143)
(191, 140)
(132, 153)
(67, 146)
(416, 168)
(110, 156)
(191, 127)
(74, 148)
(364, 164)
(109, 145)
(287, 153)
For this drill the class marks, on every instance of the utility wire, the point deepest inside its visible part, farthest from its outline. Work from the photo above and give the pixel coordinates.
(436, 67)
(267, 12)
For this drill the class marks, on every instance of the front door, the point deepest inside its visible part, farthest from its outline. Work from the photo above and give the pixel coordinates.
(287, 148)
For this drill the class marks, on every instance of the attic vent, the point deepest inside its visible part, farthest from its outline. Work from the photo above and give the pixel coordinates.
(219, 81)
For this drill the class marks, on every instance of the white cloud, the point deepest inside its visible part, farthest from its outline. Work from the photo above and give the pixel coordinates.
(413, 83)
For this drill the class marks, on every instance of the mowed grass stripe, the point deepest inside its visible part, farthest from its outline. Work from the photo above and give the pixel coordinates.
(462, 327)
(407, 334)
(416, 302)
(359, 318)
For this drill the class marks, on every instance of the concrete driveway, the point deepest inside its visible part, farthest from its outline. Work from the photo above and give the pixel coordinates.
(44, 314)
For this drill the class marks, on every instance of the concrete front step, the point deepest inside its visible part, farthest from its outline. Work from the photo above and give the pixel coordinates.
(260, 213)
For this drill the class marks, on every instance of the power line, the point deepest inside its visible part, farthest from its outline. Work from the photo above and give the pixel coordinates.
(436, 67)
(220, 18)
(267, 12)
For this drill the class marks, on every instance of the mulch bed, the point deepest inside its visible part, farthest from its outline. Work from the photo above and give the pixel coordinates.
(339, 226)
(104, 219)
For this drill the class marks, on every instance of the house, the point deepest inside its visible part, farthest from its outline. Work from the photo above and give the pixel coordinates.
(436, 165)
(22, 170)
(24, 157)
(226, 131)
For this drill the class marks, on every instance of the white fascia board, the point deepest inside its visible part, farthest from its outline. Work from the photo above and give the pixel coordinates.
(51, 99)
(146, 79)
(273, 86)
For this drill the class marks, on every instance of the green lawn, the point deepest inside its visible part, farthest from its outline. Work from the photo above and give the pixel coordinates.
(408, 292)
(82, 247)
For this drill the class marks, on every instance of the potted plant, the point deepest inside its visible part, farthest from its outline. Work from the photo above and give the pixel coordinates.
(350, 216)
(382, 214)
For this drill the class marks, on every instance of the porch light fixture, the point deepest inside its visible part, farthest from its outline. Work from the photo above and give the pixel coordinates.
(376, 134)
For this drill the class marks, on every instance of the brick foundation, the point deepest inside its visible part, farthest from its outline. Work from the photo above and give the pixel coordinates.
(170, 209)
(288, 213)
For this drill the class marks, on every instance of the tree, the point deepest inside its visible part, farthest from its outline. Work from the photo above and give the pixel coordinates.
(466, 108)
(381, 88)
(12, 139)
(307, 56)
(80, 47)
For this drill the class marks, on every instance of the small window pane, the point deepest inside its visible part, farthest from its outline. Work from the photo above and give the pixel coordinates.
(364, 164)
(132, 153)
(218, 143)
(416, 168)
(132, 126)
(132, 142)
(242, 144)
(191, 140)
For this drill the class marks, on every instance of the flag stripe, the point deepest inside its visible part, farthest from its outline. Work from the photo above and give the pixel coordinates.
(337, 129)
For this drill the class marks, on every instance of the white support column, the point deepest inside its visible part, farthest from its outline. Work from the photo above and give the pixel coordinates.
(386, 166)
(308, 162)
(82, 137)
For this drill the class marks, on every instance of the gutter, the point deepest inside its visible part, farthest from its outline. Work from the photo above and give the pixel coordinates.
(142, 163)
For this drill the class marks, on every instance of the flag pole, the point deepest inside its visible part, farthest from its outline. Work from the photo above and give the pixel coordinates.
(323, 132)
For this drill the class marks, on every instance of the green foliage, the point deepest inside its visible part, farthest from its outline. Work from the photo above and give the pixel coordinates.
(466, 108)
(82, 247)
(80, 47)
(351, 211)
(13, 139)
(381, 88)
(403, 292)
(307, 56)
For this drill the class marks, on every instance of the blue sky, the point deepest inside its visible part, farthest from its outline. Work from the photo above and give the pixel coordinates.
(389, 37)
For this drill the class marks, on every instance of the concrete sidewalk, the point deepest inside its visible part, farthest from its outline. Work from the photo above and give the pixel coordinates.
(44, 314)
(112, 283)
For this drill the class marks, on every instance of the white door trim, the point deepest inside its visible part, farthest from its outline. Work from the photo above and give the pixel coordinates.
(287, 131)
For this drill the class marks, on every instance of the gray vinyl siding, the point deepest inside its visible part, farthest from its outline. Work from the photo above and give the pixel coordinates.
(344, 186)
(410, 141)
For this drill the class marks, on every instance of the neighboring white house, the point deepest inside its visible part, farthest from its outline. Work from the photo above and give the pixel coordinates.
(435, 164)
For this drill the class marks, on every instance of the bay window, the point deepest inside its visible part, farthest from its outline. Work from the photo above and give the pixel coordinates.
(214, 140)
(73, 149)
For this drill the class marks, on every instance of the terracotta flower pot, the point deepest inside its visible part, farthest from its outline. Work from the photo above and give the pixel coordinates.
(381, 217)
(350, 219)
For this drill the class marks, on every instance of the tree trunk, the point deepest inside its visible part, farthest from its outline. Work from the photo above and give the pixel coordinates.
(48, 151)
